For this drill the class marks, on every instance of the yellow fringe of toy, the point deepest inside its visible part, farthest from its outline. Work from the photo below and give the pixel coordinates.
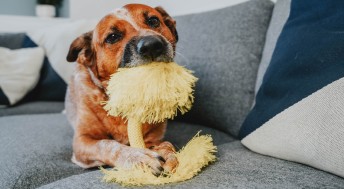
(197, 153)
(150, 93)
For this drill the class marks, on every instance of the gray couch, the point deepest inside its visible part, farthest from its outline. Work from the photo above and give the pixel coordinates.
(225, 49)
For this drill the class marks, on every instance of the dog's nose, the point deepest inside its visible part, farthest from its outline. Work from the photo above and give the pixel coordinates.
(150, 47)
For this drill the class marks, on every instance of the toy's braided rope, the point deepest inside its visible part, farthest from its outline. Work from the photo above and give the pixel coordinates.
(135, 134)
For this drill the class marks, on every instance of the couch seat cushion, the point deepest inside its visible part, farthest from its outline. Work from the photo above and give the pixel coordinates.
(179, 133)
(36, 149)
(237, 167)
(33, 108)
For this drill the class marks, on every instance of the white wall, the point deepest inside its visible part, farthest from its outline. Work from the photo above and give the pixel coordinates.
(27, 7)
(99, 8)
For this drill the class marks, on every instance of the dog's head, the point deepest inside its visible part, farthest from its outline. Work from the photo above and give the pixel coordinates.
(133, 35)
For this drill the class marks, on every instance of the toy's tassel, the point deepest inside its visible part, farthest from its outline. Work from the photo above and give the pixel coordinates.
(135, 134)
(198, 153)
(150, 93)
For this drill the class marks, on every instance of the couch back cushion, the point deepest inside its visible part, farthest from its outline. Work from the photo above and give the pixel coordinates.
(11, 40)
(223, 48)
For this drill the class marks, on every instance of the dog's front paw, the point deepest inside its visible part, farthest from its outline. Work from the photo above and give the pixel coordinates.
(129, 157)
(167, 151)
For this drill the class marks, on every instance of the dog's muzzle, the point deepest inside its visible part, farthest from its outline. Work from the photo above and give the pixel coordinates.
(145, 49)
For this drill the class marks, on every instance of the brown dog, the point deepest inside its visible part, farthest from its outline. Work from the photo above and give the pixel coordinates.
(133, 35)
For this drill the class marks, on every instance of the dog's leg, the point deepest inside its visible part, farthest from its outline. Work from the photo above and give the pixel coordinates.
(90, 152)
(153, 140)
(167, 151)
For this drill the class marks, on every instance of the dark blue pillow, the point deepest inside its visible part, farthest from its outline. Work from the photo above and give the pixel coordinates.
(50, 87)
(3, 99)
(309, 54)
(299, 110)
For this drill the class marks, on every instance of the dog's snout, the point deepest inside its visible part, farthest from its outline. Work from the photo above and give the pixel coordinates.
(145, 49)
(151, 47)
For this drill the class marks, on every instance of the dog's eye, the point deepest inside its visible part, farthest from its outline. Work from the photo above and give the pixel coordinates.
(113, 38)
(153, 22)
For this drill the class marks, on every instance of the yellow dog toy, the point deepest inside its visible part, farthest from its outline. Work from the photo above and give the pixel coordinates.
(152, 93)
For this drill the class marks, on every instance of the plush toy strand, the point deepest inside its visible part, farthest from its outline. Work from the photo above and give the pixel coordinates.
(197, 153)
(152, 93)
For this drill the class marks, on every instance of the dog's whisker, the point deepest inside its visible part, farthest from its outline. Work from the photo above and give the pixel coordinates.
(183, 57)
(181, 47)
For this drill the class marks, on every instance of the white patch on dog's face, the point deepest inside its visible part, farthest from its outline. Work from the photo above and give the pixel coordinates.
(123, 14)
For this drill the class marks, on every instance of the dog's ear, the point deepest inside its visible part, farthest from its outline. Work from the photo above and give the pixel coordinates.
(169, 21)
(81, 49)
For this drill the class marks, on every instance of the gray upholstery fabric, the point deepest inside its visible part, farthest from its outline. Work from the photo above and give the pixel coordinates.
(279, 17)
(33, 108)
(36, 149)
(224, 48)
(236, 167)
(11, 40)
(179, 133)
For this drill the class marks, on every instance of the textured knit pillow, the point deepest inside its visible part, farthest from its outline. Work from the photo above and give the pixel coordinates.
(19, 72)
(299, 110)
(224, 48)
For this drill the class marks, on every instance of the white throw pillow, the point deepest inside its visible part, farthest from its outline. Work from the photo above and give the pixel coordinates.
(19, 71)
(56, 41)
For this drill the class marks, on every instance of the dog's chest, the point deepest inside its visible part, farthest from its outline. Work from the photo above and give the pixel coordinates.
(89, 97)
